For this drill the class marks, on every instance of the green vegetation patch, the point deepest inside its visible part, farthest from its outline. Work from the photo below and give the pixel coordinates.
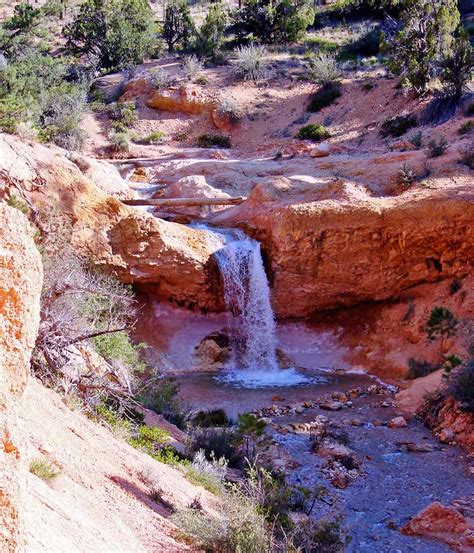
(315, 133)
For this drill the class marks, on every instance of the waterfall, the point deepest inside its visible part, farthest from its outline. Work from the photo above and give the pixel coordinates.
(252, 323)
(247, 299)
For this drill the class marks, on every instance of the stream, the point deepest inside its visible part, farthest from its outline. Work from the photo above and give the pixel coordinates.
(402, 470)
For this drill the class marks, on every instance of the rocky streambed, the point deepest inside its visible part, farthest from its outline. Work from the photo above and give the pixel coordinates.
(344, 435)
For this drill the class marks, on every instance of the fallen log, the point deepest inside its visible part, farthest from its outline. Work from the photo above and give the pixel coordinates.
(184, 202)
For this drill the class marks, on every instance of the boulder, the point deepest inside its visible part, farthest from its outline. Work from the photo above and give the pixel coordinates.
(20, 290)
(453, 422)
(110, 86)
(103, 174)
(331, 405)
(439, 522)
(321, 150)
(195, 186)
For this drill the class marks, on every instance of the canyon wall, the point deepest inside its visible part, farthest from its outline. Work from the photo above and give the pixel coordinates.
(20, 289)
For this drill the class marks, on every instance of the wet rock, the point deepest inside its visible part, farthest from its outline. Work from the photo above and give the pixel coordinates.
(356, 422)
(334, 450)
(397, 422)
(297, 517)
(213, 351)
(331, 406)
(385, 404)
(353, 227)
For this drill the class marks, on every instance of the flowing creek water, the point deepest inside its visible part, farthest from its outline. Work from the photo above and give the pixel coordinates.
(394, 483)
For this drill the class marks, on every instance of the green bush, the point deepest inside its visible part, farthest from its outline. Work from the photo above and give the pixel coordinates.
(119, 141)
(35, 89)
(406, 175)
(155, 137)
(397, 126)
(271, 22)
(461, 386)
(325, 536)
(457, 66)
(112, 33)
(23, 18)
(250, 64)
(210, 37)
(315, 133)
(467, 156)
(466, 128)
(324, 97)
(213, 141)
(218, 442)
(149, 439)
(239, 526)
(125, 113)
(325, 69)
(214, 417)
(437, 148)
(429, 25)
(366, 45)
(118, 346)
(229, 110)
(417, 140)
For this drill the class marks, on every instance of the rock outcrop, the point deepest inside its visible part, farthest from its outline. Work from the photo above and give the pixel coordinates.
(170, 260)
(183, 99)
(333, 245)
(455, 423)
(20, 289)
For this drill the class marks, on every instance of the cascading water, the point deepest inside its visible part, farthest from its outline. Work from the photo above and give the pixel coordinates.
(247, 298)
(251, 320)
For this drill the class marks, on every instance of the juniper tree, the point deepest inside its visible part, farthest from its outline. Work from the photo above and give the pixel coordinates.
(425, 37)
(112, 33)
(456, 67)
(178, 26)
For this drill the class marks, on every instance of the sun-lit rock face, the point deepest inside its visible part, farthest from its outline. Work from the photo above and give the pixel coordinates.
(333, 245)
(20, 289)
(172, 261)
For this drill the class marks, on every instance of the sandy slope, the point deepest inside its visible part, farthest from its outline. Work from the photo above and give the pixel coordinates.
(98, 503)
